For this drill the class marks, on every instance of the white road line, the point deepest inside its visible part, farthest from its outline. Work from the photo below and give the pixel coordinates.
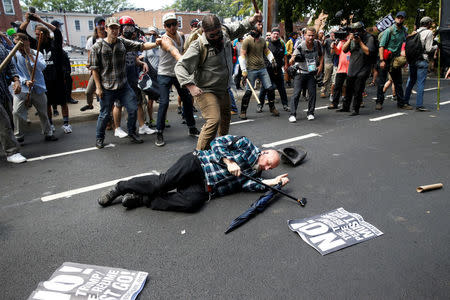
(426, 90)
(387, 117)
(317, 108)
(70, 193)
(444, 103)
(240, 122)
(298, 138)
(67, 153)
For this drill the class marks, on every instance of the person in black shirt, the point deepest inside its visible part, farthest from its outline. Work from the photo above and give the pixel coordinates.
(363, 51)
(278, 49)
(52, 51)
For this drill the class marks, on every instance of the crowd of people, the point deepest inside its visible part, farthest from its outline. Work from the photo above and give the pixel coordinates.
(134, 69)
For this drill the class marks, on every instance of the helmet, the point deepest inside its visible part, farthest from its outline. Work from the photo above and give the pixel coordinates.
(126, 20)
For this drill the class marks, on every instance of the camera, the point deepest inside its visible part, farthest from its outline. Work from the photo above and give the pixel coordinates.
(341, 34)
(419, 15)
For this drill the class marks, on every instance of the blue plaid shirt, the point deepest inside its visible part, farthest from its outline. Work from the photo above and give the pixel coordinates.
(237, 149)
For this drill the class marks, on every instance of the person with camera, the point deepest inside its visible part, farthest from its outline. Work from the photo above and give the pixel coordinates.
(361, 45)
(391, 61)
(419, 69)
(308, 58)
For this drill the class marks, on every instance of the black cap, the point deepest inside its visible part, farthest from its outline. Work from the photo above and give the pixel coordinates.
(194, 22)
(98, 19)
(401, 13)
(56, 23)
(292, 156)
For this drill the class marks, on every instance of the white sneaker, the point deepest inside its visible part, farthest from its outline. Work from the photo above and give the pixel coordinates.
(310, 117)
(120, 133)
(52, 127)
(292, 119)
(146, 130)
(67, 128)
(16, 158)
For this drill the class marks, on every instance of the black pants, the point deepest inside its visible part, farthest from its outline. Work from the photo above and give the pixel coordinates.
(186, 176)
(238, 78)
(278, 83)
(396, 75)
(355, 88)
(302, 81)
(338, 84)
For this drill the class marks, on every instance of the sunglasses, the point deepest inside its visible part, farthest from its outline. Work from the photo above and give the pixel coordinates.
(168, 25)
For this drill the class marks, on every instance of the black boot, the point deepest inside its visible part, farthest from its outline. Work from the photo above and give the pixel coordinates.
(108, 197)
(132, 200)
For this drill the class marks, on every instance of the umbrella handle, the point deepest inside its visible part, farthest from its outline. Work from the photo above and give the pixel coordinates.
(302, 201)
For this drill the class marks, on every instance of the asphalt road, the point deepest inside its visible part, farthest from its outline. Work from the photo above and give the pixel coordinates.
(368, 167)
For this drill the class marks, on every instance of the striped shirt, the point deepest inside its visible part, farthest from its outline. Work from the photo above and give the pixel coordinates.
(237, 149)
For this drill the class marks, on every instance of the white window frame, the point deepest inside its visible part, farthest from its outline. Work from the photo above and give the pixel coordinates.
(12, 6)
(79, 25)
(180, 22)
(91, 25)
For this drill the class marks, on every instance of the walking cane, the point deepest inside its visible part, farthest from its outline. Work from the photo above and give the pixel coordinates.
(302, 201)
(6, 61)
(27, 102)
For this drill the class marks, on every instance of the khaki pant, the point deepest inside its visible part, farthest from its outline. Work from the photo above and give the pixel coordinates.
(328, 71)
(90, 90)
(216, 112)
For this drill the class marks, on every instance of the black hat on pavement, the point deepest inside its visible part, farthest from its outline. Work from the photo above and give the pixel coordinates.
(292, 156)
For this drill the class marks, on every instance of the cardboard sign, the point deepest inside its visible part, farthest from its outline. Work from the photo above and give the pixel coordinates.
(74, 281)
(385, 23)
(334, 230)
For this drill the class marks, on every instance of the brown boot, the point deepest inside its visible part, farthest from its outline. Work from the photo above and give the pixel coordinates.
(275, 112)
(243, 116)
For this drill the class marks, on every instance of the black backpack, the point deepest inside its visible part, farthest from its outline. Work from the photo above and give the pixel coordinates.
(413, 48)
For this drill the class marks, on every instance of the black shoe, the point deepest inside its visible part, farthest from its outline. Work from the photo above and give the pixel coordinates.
(108, 197)
(421, 108)
(355, 113)
(132, 200)
(99, 143)
(332, 106)
(20, 140)
(159, 139)
(51, 138)
(343, 110)
(86, 107)
(194, 132)
(286, 108)
(179, 110)
(134, 138)
(72, 101)
(56, 113)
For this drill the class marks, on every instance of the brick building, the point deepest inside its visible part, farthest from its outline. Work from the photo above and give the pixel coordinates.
(146, 18)
(10, 11)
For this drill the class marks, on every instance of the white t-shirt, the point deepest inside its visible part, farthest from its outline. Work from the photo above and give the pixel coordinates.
(89, 43)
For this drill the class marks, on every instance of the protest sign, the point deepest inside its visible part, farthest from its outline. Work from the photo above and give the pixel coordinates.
(334, 230)
(385, 23)
(74, 281)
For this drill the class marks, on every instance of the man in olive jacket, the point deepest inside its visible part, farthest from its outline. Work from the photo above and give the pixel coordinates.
(206, 70)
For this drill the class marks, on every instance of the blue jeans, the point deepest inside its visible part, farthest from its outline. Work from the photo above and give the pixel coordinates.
(417, 73)
(233, 101)
(127, 98)
(262, 75)
(165, 83)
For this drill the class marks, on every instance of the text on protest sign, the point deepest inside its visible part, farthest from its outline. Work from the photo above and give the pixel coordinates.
(385, 23)
(334, 230)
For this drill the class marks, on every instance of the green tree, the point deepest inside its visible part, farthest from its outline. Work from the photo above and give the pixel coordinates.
(222, 8)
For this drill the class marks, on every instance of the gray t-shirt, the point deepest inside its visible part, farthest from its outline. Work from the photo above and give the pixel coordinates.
(312, 57)
(328, 57)
(360, 64)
